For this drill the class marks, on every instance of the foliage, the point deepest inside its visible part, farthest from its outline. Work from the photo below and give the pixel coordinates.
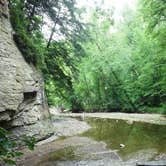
(120, 70)
(30, 45)
(9, 147)
(29, 141)
(128, 71)
(55, 58)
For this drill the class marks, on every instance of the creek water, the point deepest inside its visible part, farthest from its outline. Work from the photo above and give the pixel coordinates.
(108, 143)
(135, 136)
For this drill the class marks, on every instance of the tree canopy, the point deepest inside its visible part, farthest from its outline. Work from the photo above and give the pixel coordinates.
(87, 66)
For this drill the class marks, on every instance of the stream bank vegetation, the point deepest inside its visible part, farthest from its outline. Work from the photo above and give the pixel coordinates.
(9, 150)
(100, 64)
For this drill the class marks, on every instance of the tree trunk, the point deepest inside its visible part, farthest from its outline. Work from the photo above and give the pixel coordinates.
(53, 29)
(51, 36)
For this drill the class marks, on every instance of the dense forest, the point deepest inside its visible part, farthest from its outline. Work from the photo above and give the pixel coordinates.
(97, 64)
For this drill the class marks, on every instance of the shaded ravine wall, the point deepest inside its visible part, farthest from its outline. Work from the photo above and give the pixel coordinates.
(22, 101)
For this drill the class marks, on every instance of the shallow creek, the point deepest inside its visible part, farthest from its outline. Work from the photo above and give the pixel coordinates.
(135, 136)
(107, 143)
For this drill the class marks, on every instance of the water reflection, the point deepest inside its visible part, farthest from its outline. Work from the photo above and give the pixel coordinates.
(135, 136)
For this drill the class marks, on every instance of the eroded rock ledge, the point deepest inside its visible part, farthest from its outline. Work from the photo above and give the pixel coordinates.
(22, 99)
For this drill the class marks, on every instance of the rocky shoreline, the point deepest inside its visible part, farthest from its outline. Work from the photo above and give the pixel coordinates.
(65, 127)
(130, 117)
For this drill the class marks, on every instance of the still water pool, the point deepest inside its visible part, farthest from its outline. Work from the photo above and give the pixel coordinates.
(135, 136)
(107, 143)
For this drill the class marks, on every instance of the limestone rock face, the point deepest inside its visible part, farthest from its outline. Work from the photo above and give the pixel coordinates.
(22, 99)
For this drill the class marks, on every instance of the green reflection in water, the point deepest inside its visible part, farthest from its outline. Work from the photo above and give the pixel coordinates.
(65, 154)
(135, 136)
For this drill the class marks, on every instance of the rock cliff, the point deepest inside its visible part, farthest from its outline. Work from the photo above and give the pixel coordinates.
(22, 99)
